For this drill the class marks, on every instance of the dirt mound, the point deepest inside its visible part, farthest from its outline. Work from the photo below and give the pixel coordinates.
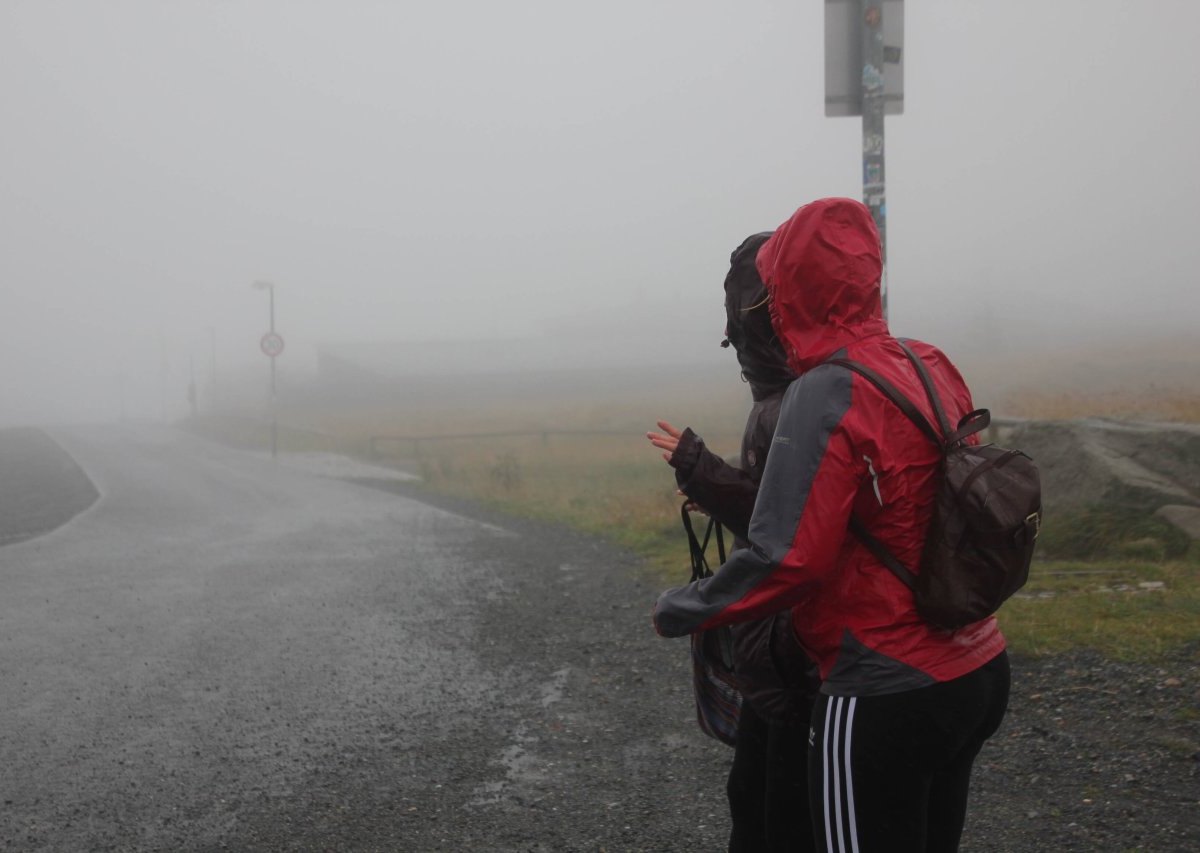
(43, 487)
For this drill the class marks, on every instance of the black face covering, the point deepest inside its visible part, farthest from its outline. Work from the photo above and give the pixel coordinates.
(759, 352)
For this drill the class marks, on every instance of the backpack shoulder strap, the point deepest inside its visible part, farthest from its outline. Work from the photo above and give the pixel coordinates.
(971, 423)
(930, 392)
(882, 554)
(890, 391)
(877, 548)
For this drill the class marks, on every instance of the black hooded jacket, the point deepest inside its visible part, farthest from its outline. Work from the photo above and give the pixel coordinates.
(774, 675)
(748, 323)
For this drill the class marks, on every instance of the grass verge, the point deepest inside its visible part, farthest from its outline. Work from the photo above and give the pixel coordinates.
(1126, 610)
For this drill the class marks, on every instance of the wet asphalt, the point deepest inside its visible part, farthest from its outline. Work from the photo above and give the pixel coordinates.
(225, 653)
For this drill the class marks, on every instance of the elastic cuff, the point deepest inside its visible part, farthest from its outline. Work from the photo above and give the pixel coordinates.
(686, 455)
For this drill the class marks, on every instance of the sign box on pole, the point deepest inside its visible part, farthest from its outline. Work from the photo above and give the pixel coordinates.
(844, 57)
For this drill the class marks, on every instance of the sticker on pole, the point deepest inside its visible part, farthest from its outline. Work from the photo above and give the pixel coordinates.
(847, 23)
(271, 344)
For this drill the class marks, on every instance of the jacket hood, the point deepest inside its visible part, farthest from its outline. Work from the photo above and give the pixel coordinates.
(748, 323)
(822, 268)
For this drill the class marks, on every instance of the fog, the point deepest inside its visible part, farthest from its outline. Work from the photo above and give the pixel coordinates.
(546, 183)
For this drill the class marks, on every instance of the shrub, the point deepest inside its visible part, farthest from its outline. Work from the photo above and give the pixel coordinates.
(506, 472)
(1107, 533)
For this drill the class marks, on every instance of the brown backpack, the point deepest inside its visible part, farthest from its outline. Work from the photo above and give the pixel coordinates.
(986, 516)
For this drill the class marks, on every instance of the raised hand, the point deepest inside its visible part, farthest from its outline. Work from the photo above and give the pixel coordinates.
(667, 442)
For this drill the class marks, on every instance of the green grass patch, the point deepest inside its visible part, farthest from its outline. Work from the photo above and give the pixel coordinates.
(1127, 610)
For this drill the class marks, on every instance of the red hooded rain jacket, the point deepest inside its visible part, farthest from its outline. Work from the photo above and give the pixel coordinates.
(840, 447)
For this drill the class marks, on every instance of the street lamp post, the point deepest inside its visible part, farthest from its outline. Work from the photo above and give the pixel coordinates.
(212, 369)
(272, 345)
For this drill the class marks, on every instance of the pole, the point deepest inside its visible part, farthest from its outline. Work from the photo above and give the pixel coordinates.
(162, 376)
(274, 398)
(212, 369)
(271, 352)
(874, 195)
(192, 384)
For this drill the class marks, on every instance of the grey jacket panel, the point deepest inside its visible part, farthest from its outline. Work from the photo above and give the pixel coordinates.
(811, 410)
(862, 671)
(686, 609)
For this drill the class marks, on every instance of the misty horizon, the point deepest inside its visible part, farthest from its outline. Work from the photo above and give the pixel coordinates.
(563, 175)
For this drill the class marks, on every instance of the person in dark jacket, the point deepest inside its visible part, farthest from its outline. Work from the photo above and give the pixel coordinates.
(768, 785)
(904, 706)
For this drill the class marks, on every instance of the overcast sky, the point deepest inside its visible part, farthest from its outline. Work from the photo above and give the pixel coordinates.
(469, 170)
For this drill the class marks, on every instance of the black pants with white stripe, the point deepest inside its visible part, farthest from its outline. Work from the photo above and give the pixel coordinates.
(889, 774)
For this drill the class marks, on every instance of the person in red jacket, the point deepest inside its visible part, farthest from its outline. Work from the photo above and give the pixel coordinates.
(768, 783)
(904, 707)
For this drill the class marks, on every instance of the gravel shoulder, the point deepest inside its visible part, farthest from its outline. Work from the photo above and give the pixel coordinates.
(1094, 754)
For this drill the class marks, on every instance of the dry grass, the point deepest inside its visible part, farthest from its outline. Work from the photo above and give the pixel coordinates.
(1151, 380)
(1152, 404)
(615, 486)
(588, 465)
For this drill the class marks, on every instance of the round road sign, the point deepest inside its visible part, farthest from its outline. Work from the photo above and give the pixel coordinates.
(271, 344)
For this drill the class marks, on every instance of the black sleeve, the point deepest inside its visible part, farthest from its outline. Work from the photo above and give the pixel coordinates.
(725, 492)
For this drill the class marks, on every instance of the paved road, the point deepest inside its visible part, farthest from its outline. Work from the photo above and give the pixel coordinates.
(225, 653)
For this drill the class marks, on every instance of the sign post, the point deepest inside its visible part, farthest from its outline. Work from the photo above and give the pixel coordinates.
(864, 75)
(272, 345)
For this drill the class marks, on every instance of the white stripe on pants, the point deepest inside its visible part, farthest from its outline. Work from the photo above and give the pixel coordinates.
(840, 826)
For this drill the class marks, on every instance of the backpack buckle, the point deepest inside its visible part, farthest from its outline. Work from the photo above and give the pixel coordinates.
(1034, 518)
